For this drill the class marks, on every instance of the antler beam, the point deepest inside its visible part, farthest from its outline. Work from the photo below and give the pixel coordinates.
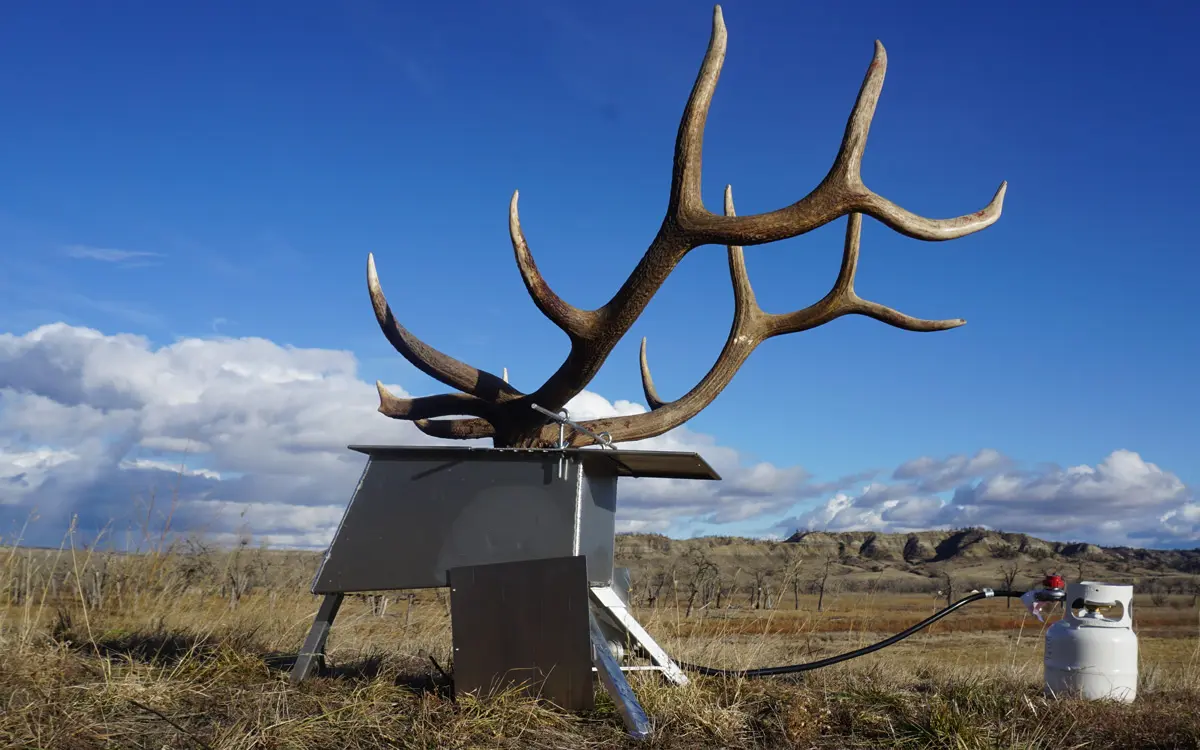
(752, 326)
(505, 414)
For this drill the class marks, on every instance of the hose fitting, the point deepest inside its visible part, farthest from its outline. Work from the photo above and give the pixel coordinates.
(1053, 590)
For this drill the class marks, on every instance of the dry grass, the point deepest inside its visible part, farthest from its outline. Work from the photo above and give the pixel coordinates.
(175, 650)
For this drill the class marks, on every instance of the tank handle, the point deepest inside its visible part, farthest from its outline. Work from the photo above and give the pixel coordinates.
(1102, 594)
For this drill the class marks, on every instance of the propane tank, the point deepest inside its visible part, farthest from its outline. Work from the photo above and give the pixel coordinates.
(1092, 652)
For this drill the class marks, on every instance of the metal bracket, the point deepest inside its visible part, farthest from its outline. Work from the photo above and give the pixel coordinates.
(311, 658)
(618, 688)
(563, 417)
(610, 607)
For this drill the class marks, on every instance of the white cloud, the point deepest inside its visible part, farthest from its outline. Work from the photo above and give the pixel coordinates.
(934, 475)
(1123, 487)
(23, 472)
(174, 445)
(180, 468)
(1122, 500)
(877, 508)
(1183, 522)
(250, 432)
(92, 421)
(245, 432)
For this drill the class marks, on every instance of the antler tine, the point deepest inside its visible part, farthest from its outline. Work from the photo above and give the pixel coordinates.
(574, 322)
(652, 399)
(685, 198)
(843, 300)
(751, 326)
(425, 407)
(841, 192)
(444, 368)
(456, 429)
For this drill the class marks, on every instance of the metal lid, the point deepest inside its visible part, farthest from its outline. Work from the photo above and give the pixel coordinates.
(656, 464)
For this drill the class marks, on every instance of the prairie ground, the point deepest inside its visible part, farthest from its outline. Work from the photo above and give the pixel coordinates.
(158, 661)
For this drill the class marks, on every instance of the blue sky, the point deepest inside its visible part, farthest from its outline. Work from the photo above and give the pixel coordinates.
(238, 161)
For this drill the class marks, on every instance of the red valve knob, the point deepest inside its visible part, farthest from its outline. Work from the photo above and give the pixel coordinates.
(1054, 582)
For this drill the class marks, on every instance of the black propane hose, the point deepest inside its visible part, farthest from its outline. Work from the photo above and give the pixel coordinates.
(831, 660)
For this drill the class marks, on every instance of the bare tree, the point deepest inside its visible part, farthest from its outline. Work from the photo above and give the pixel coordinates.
(495, 409)
(655, 586)
(1081, 566)
(823, 579)
(724, 587)
(793, 564)
(238, 578)
(947, 587)
(1158, 592)
(195, 564)
(1009, 575)
(728, 587)
(700, 572)
(760, 591)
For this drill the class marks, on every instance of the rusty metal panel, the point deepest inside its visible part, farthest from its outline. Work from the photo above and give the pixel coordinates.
(524, 623)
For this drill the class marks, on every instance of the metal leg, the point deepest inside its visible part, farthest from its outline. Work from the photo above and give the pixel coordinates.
(614, 608)
(312, 654)
(615, 683)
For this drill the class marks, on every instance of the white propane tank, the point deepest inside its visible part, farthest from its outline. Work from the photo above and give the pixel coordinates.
(1090, 654)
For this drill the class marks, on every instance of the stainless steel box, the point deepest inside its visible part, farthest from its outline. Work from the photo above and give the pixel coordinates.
(419, 511)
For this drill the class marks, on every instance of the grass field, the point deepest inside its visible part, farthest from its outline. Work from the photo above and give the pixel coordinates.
(144, 651)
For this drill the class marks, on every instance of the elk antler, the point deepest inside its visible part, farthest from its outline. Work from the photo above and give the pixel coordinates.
(503, 413)
(752, 326)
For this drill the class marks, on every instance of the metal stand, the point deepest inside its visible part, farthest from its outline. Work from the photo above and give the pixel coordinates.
(525, 538)
(616, 685)
(610, 607)
(613, 610)
(312, 655)
(513, 597)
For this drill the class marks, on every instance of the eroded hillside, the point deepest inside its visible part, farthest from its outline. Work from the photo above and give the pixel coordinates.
(756, 572)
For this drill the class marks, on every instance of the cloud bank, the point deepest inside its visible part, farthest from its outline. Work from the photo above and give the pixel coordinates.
(248, 435)
(1122, 500)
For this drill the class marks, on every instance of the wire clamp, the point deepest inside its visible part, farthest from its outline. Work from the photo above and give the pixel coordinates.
(563, 417)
